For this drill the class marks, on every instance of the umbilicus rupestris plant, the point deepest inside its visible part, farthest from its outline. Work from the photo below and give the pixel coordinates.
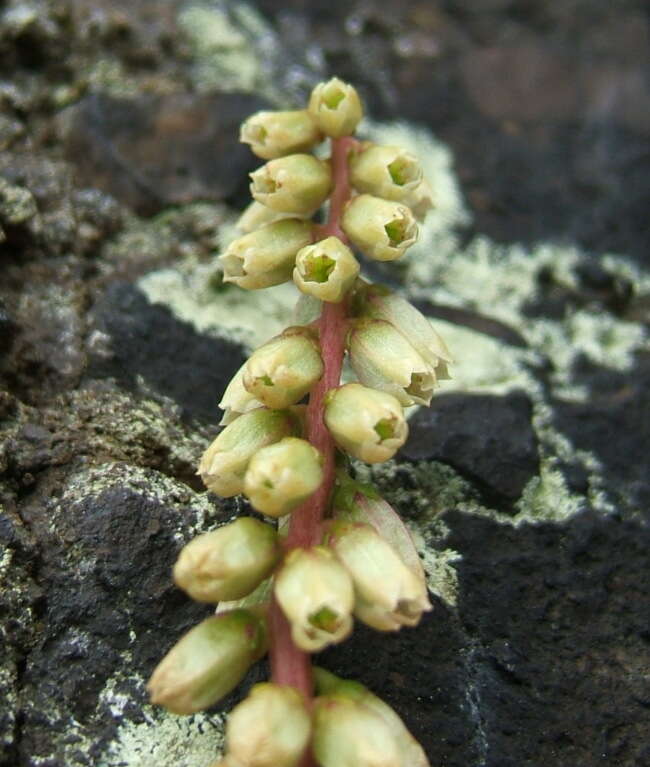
(340, 552)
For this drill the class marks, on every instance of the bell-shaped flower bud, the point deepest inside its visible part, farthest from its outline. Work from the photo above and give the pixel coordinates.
(382, 581)
(382, 304)
(315, 592)
(326, 270)
(270, 728)
(297, 183)
(224, 463)
(228, 563)
(275, 134)
(281, 476)
(208, 662)
(383, 359)
(381, 229)
(256, 215)
(334, 689)
(236, 400)
(336, 108)
(285, 368)
(368, 424)
(266, 256)
(385, 171)
(348, 734)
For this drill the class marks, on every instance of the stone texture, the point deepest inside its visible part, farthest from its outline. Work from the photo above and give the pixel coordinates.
(117, 139)
(486, 438)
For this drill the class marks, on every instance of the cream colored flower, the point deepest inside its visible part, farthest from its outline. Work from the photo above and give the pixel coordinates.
(381, 229)
(385, 171)
(335, 107)
(274, 134)
(297, 183)
(326, 270)
(228, 563)
(315, 593)
(368, 424)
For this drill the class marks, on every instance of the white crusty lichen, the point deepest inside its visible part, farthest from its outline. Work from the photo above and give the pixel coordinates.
(160, 738)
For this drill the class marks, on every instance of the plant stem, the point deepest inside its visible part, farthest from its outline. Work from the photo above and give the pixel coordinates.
(290, 665)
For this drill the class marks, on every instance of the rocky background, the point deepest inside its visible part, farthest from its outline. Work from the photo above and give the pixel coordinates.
(526, 484)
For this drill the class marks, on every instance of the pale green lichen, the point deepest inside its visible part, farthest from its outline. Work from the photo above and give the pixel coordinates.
(161, 738)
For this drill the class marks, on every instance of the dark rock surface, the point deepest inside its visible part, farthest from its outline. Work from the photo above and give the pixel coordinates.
(487, 438)
(528, 494)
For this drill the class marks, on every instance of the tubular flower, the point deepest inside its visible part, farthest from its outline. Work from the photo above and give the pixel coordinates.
(228, 563)
(315, 593)
(385, 171)
(388, 593)
(381, 229)
(326, 270)
(270, 728)
(224, 463)
(208, 662)
(236, 400)
(274, 134)
(382, 304)
(383, 359)
(284, 369)
(297, 183)
(335, 107)
(281, 476)
(266, 256)
(332, 687)
(368, 424)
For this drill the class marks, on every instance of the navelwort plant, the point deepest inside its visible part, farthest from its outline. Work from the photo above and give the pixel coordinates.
(340, 551)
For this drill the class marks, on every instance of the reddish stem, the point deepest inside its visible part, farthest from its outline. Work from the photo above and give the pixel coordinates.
(290, 665)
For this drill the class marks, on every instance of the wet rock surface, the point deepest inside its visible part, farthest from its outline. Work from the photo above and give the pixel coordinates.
(526, 484)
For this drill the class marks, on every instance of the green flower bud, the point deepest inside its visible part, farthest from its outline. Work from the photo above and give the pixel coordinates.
(383, 359)
(387, 591)
(385, 171)
(379, 302)
(281, 476)
(297, 183)
(266, 256)
(208, 662)
(236, 400)
(315, 593)
(284, 369)
(274, 134)
(381, 229)
(224, 463)
(270, 728)
(348, 734)
(333, 688)
(326, 270)
(368, 424)
(228, 563)
(336, 108)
